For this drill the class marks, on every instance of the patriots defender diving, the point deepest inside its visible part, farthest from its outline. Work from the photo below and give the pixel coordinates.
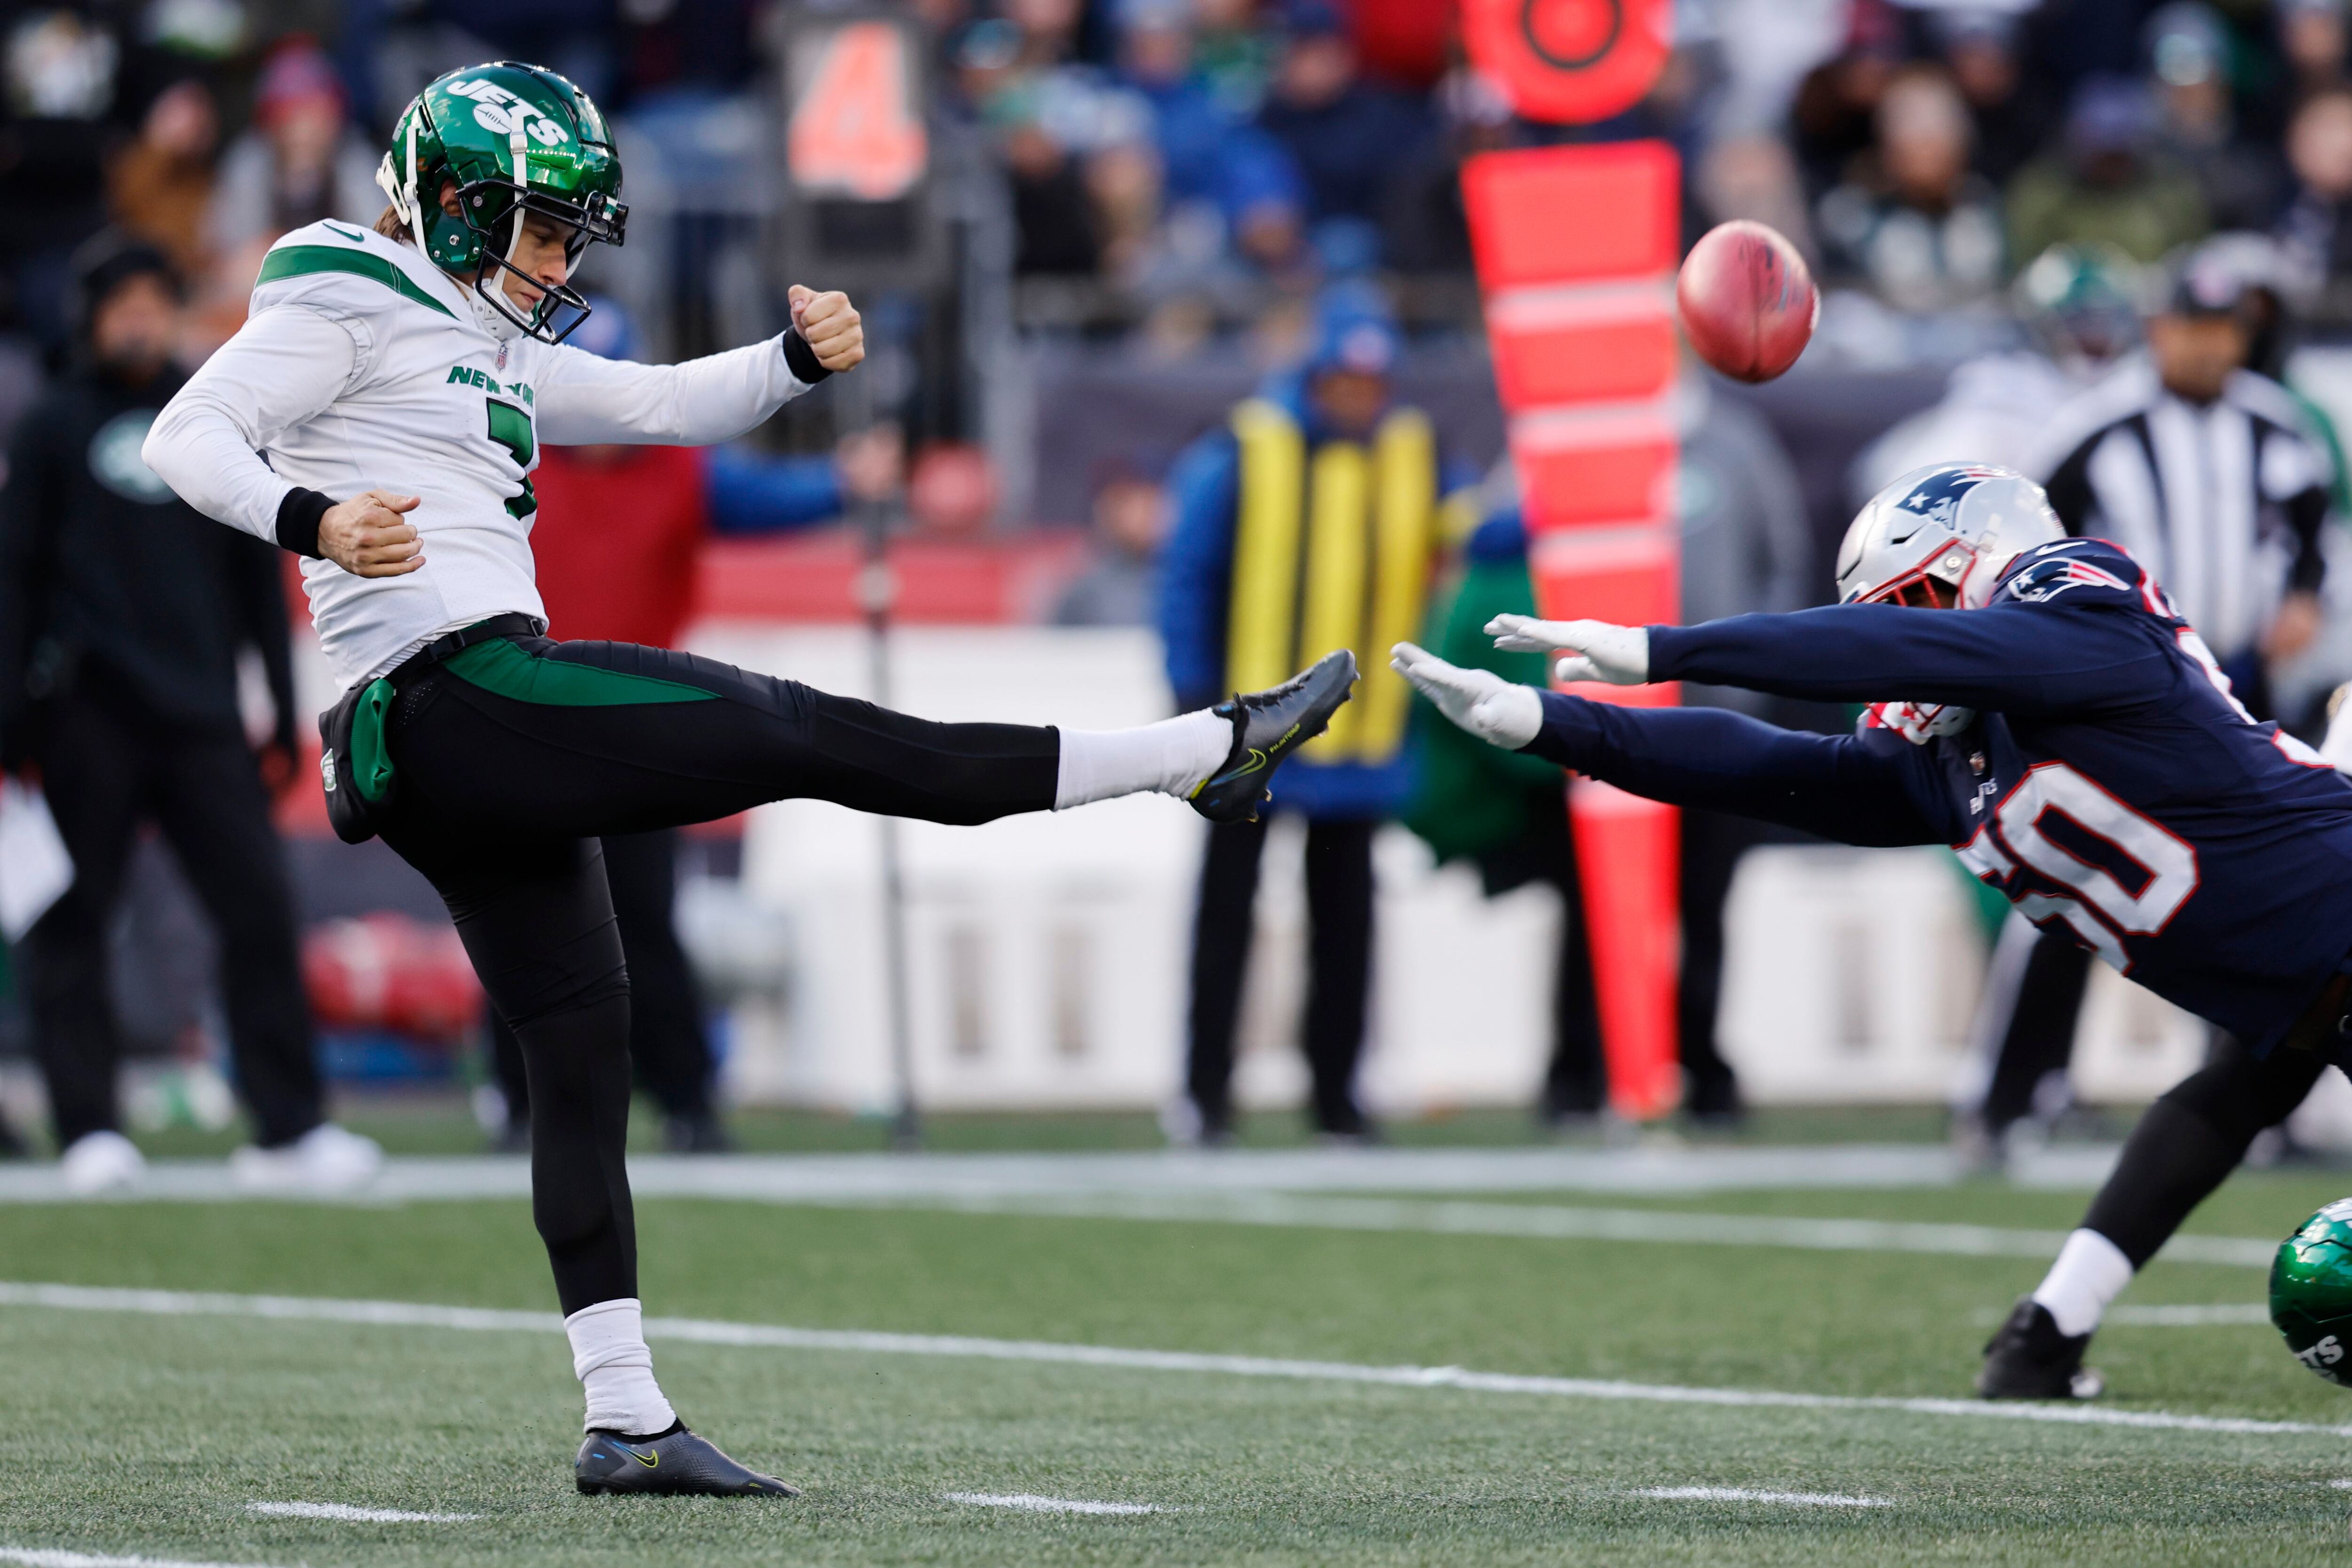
(379, 415)
(2071, 737)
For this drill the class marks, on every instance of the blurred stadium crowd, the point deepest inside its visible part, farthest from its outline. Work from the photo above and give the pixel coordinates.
(1140, 210)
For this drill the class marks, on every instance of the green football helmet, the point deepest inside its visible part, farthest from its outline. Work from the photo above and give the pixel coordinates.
(2311, 1292)
(2081, 300)
(511, 138)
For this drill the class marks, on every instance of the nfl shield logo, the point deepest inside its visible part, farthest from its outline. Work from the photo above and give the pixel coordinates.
(502, 356)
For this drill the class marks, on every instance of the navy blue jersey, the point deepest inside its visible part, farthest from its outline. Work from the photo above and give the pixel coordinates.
(2109, 785)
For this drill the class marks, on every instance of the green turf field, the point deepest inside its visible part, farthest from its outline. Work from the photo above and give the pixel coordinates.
(151, 1436)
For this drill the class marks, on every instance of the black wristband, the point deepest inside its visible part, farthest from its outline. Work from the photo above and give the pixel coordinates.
(297, 520)
(800, 358)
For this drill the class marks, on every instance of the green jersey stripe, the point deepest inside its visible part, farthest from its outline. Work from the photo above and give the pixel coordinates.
(504, 669)
(301, 260)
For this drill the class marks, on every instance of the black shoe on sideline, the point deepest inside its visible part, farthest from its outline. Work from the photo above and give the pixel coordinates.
(1267, 727)
(2028, 1358)
(675, 1464)
(700, 1133)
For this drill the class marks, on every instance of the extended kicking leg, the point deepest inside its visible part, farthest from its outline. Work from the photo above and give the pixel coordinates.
(580, 740)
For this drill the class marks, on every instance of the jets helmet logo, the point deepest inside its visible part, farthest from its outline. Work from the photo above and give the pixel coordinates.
(497, 110)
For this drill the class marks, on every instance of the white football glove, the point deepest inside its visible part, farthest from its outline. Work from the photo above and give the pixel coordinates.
(1596, 650)
(2337, 747)
(1919, 723)
(1498, 711)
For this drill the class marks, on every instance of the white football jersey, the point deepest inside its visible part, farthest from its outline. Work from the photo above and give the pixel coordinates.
(364, 367)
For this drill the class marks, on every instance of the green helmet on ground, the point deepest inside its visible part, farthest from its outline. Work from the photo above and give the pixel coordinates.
(2311, 1292)
(510, 138)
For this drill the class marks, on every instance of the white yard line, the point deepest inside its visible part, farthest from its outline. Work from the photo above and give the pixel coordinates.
(1027, 1502)
(1741, 1494)
(349, 1515)
(1676, 1228)
(2200, 1317)
(37, 1557)
(2207, 1315)
(698, 1330)
(809, 1178)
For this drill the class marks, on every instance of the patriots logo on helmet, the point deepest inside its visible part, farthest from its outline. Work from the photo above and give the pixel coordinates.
(1936, 499)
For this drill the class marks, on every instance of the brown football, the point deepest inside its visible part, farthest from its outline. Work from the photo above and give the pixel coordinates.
(1747, 301)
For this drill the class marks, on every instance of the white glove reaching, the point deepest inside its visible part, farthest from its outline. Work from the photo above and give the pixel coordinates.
(1596, 650)
(1498, 712)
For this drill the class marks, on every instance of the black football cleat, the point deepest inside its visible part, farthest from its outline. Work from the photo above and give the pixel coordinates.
(1267, 727)
(2028, 1358)
(675, 1464)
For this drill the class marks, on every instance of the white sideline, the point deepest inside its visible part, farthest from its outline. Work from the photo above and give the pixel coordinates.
(2190, 1317)
(1557, 1222)
(31, 1557)
(1741, 1494)
(1029, 1502)
(349, 1514)
(701, 1331)
(809, 1178)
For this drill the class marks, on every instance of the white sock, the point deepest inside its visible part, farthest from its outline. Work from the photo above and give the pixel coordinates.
(2091, 1271)
(1171, 756)
(610, 1357)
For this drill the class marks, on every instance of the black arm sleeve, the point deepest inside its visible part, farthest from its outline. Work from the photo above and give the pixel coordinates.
(2008, 658)
(253, 575)
(27, 563)
(2069, 487)
(2306, 514)
(1874, 789)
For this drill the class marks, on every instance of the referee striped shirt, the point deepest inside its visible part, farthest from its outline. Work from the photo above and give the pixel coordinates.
(2223, 503)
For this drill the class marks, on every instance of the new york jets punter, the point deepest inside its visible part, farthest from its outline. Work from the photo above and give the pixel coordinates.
(380, 414)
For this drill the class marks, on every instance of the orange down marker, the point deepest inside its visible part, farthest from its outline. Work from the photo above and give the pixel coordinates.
(1576, 250)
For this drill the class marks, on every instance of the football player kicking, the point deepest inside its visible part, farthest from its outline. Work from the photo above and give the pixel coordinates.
(2066, 732)
(379, 415)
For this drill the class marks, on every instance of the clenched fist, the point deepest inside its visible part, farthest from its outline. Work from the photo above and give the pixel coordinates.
(829, 324)
(367, 535)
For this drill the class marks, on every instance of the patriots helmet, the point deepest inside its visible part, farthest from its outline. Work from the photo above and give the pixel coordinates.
(1939, 537)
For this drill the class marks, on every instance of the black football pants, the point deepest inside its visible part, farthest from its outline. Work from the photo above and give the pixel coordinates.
(1338, 965)
(105, 772)
(512, 761)
(2189, 1141)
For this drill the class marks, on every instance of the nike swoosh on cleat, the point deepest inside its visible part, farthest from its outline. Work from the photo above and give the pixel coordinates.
(648, 1461)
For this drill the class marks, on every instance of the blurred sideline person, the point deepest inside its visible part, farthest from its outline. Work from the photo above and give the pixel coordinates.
(617, 539)
(1120, 585)
(1746, 547)
(1508, 813)
(2080, 306)
(1304, 526)
(122, 616)
(428, 350)
(2040, 705)
(2205, 471)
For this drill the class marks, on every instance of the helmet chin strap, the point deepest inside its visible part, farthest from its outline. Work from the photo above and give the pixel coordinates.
(501, 326)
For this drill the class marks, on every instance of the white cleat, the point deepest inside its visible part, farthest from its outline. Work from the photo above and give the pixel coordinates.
(327, 1158)
(101, 1163)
